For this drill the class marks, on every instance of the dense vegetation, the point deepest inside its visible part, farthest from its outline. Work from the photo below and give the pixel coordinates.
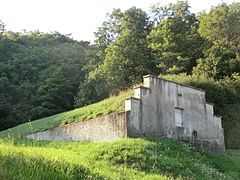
(141, 158)
(113, 104)
(42, 74)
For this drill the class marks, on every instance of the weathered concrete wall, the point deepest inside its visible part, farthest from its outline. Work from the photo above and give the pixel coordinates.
(103, 128)
(160, 108)
(166, 109)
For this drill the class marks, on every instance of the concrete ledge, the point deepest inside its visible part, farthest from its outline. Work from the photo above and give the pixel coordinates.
(217, 116)
(133, 98)
(143, 87)
(210, 103)
(102, 128)
(149, 75)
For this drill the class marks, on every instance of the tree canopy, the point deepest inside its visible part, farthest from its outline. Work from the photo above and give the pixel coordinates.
(42, 74)
(220, 27)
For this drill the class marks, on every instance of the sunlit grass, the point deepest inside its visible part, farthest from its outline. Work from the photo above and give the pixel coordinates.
(112, 104)
(131, 158)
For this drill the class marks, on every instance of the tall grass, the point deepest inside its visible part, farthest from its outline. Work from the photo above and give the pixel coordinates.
(132, 158)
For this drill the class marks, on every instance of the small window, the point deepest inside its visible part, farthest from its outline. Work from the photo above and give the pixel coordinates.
(178, 117)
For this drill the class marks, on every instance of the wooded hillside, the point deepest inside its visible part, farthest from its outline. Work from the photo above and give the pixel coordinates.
(42, 74)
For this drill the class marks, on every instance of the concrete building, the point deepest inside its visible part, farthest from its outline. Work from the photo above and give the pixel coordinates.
(166, 109)
(161, 108)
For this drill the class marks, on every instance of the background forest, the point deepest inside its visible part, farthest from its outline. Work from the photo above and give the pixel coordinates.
(42, 74)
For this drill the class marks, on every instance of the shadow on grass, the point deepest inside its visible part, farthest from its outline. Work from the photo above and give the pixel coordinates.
(2, 175)
(150, 156)
(36, 168)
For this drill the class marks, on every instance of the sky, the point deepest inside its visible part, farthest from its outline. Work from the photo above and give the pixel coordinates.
(77, 17)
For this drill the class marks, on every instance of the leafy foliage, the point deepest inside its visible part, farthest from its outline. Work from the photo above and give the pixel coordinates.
(46, 73)
(174, 40)
(127, 57)
(39, 74)
(112, 104)
(221, 28)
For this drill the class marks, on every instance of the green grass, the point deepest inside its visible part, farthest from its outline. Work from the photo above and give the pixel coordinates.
(112, 104)
(131, 158)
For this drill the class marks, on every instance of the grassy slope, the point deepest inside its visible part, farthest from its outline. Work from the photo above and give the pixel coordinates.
(107, 106)
(139, 158)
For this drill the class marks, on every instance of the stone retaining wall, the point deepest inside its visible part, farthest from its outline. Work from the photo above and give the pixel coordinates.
(103, 128)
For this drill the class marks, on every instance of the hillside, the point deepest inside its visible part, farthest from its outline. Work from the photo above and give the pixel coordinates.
(45, 75)
(131, 158)
(42, 74)
(140, 158)
(106, 106)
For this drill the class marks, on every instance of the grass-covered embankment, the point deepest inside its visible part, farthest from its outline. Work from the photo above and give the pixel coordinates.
(112, 104)
(140, 158)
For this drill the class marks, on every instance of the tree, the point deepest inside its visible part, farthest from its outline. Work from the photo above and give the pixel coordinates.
(40, 74)
(221, 28)
(93, 89)
(53, 94)
(175, 41)
(2, 29)
(108, 32)
(128, 57)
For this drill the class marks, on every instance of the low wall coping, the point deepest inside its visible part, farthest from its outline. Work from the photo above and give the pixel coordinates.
(132, 98)
(209, 103)
(142, 87)
(149, 75)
